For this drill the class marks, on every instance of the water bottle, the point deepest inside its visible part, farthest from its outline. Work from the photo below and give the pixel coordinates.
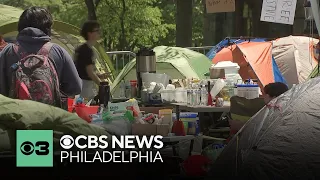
(189, 97)
(122, 89)
(204, 96)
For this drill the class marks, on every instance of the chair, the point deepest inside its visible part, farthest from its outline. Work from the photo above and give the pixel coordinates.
(241, 110)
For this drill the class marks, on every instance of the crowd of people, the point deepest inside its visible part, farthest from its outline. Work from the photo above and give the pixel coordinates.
(54, 74)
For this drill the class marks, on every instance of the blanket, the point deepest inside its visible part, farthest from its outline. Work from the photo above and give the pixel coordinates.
(30, 115)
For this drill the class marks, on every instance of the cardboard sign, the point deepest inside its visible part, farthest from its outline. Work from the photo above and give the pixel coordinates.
(278, 11)
(218, 6)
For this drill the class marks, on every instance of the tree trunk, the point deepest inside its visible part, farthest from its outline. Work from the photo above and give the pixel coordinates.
(184, 23)
(91, 10)
(122, 38)
(208, 31)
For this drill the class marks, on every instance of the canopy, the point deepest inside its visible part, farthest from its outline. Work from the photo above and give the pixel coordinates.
(280, 142)
(178, 63)
(255, 61)
(63, 34)
(294, 57)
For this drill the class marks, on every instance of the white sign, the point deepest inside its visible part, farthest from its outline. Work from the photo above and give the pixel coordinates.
(278, 11)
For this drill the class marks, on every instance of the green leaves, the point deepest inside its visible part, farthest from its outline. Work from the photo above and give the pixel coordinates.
(126, 24)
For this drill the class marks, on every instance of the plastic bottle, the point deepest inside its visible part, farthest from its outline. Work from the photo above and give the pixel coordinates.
(204, 95)
(122, 89)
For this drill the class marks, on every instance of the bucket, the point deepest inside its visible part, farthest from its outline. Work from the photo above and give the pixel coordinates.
(85, 111)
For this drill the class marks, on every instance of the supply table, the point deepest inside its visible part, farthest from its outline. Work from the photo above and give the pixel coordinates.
(203, 111)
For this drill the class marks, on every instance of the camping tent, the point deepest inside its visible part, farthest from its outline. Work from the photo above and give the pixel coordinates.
(255, 61)
(228, 41)
(63, 34)
(178, 63)
(280, 142)
(294, 57)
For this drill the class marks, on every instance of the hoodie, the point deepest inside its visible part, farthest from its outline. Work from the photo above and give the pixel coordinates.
(31, 40)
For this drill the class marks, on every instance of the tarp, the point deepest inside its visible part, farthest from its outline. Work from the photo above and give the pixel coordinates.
(227, 41)
(281, 141)
(294, 57)
(255, 61)
(178, 63)
(63, 34)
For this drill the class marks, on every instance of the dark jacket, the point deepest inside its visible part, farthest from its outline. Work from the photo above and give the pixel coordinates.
(31, 40)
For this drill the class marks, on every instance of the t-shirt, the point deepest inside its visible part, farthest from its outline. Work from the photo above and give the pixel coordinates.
(84, 56)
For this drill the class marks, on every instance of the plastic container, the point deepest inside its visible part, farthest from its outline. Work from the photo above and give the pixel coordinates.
(133, 86)
(147, 78)
(180, 96)
(167, 95)
(85, 111)
(249, 91)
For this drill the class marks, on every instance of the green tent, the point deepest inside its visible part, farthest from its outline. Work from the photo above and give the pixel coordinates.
(178, 63)
(315, 72)
(63, 34)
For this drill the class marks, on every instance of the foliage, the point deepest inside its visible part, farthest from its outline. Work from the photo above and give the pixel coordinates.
(126, 24)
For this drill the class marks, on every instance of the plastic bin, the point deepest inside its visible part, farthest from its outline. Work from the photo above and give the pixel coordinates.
(85, 111)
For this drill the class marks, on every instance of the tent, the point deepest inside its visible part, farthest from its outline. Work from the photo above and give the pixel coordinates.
(63, 34)
(228, 41)
(178, 63)
(281, 141)
(255, 61)
(294, 57)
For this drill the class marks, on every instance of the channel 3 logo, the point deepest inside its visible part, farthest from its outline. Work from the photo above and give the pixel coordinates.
(34, 148)
(27, 148)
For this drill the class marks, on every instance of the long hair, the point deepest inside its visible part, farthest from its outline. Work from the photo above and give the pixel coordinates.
(2, 43)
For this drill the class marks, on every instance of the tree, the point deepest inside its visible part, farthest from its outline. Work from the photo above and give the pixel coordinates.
(184, 23)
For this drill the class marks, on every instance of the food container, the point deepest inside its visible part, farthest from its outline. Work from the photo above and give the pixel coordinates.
(249, 91)
(180, 96)
(167, 95)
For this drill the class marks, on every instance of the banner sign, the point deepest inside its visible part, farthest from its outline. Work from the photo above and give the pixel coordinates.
(278, 11)
(218, 6)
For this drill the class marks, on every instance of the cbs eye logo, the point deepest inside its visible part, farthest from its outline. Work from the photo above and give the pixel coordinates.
(41, 148)
(66, 142)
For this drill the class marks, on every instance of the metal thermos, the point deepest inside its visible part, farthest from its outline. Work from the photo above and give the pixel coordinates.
(104, 94)
(145, 63)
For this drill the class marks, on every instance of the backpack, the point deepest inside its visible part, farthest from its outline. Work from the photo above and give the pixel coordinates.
(35, 78)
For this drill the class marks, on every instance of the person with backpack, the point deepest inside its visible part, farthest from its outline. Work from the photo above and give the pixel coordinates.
(34, 68)
(85, 60)
(3, 43)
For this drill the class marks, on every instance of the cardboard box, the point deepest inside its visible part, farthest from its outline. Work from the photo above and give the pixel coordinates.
(150, 129)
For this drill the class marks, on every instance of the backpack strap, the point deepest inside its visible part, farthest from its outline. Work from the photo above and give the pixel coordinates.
(45, 49)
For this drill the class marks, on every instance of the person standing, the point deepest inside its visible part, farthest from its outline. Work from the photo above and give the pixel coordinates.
(52, 75)
(85, 60)
(3, 43)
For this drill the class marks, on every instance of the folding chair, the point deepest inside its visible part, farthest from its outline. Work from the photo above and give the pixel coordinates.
(241, 110)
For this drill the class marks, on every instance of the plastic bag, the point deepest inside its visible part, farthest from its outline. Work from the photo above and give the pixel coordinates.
(118, 124)
(218, 86)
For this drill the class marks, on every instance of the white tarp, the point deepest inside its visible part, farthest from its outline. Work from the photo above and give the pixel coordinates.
(315, 12)
(278, 11)
(294, 57)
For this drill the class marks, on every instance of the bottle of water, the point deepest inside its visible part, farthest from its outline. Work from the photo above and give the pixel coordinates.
(189, 97)
(122, 89)
(204, 95)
